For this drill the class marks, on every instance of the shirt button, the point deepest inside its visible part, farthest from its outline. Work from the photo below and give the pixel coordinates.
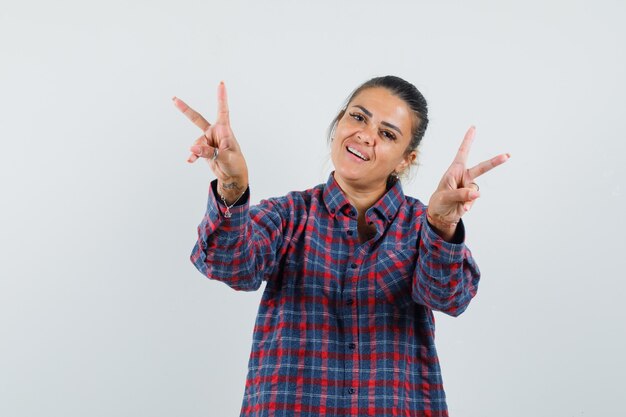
(332, 211)
(350, 301)
(349, 232)
(351, 345)
(351, 390)
(351, 213)
(353, 266)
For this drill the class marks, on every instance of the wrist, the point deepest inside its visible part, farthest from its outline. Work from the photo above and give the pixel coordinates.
(231, 189)
(445, 229)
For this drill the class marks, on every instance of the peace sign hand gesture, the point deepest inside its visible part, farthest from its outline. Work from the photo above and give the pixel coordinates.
(219, 147)
(457, 190)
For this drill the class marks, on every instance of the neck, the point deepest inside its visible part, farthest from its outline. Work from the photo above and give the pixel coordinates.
(362, 197)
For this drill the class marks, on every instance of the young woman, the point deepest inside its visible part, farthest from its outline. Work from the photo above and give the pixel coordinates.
(353, 267)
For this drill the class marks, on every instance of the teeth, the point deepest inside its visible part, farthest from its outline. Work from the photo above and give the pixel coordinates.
(357, 153)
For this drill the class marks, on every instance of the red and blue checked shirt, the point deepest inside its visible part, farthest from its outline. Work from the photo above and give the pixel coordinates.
(343, 328)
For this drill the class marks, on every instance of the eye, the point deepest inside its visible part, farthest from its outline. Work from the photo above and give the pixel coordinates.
(387, 134)
(358, 117)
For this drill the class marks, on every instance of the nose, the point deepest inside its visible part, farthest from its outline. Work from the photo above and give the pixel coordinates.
(366, 137)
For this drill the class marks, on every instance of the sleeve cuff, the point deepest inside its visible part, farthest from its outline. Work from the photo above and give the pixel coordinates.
(453, 251)
(242, 200)
(216, 207)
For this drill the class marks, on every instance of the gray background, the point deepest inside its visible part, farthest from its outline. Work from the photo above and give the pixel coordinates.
(101, 312)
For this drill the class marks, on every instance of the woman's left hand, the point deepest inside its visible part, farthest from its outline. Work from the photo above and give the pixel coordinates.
(457, 190)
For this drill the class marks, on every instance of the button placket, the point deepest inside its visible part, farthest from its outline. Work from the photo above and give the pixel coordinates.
(350, 289)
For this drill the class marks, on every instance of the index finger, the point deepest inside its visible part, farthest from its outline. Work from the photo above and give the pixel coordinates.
(191, 114)
(222, 104)
(461, 155)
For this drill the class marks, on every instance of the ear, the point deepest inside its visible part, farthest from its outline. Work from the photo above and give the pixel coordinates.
(406, 162)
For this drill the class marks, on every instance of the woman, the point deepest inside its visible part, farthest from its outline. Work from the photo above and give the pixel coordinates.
(353, 267)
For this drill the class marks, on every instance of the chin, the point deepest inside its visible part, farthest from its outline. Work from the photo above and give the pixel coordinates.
(348, 174)
(358, 179)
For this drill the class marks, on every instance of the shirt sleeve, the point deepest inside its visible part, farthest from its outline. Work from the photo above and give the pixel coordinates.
(239, 251)
(446, 275)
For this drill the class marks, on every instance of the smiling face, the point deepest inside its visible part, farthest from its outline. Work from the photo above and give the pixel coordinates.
(370, 140)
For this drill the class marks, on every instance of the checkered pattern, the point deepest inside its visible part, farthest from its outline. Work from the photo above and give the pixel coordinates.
(343, 329)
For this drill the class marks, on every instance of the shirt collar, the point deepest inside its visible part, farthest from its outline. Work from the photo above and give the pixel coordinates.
(388, 205)
(334, 198)
(385, 208)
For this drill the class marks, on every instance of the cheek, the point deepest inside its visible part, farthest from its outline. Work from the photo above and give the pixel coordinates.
(345, 127)
(392, 155)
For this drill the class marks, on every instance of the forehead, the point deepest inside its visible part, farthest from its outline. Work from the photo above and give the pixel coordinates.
(384, 106)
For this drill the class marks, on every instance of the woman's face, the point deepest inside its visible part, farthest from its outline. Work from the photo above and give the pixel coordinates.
(371, 139)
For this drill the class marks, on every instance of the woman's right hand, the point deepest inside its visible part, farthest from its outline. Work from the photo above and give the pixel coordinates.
(229, 166)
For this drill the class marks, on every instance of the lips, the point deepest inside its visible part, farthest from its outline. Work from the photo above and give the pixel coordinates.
(354, 151)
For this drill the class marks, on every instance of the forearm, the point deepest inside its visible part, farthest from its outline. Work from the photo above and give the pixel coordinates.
(222, 250)
(446, 276)
(237, 249)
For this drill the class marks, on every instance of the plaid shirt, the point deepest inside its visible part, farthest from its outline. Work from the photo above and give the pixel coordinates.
(343, 328)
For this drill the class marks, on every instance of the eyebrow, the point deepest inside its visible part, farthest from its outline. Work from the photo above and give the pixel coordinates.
(369, 114)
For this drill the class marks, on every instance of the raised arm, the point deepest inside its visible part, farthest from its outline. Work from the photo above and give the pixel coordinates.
(237, 245)
(219, 147)
(446, 276)
(457, 190)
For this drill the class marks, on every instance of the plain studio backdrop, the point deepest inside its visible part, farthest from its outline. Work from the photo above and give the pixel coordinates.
(103, 314)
